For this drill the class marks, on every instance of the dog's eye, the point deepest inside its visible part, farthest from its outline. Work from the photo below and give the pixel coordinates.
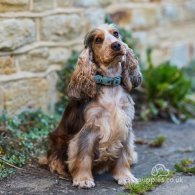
(98, 40)
(115, 33)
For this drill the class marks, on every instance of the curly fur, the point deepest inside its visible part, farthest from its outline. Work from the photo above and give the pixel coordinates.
(95, 132)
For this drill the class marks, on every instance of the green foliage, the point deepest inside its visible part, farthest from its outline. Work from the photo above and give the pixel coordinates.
(64, 78)
(148, 183)
(23, 137)
(164, 93)
(185, 166)
(189, 70)
(158, 141)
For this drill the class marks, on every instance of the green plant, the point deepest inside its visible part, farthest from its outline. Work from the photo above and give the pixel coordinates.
(148, 183)
(189, 70)
(64, 78)
(185, 166)
(23, 137)
(158, 141)
(164, 92)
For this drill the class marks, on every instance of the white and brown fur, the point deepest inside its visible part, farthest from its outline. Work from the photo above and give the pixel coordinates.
(95, 133)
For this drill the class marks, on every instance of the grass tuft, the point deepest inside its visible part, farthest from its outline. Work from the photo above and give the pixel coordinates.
(185, 166)
(148, 183)
(158, 141)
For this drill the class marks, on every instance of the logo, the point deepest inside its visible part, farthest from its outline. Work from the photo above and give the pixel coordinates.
(160, 170)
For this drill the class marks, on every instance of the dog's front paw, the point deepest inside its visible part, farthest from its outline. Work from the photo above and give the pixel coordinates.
(83, 182)
(126, 179)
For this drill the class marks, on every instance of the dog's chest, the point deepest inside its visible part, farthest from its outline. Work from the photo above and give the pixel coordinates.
(117, 111)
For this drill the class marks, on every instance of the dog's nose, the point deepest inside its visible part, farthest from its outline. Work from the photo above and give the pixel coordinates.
(116, 46)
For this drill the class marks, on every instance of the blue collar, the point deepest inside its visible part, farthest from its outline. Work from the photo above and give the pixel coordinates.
(109, 81)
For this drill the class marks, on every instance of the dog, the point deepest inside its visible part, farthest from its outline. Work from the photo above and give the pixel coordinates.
(95, 133)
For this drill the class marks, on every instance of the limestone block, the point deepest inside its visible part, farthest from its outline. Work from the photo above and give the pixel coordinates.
(52, 90)
(189, 10)
(144, 17)
(95, 17)
(1, 100)
(136, 18)
(7, 65)
(15, 33)
(58, 56)
(35, 60)
(170, 12)
(180, 54)
(27, 93)
(38, 60)
(62, 27)
(123, 17)
(85, 3)
(13, 5)
(62, 3)
(42, 5)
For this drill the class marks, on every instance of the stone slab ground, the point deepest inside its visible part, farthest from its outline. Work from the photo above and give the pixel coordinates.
(180, 144)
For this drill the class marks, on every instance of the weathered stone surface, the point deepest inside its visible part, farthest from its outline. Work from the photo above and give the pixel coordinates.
(15, 2)
(92, 3)
(95, 17)
(160, 55)
(7, 65)
(1, 100)
(189, 10)
(28, 180)
(14, 5)
(144, 18)
(42, 5)
(58, 56)
(85, 3)
(169, 13)
(122, 17)
(15, 33)
(35, 60)
(136, 18)
(62, 3)
(38, 60)
(62, 27)
(52, 91)
(180, 54)
(106, 2)
(165, 25)
(27, 93)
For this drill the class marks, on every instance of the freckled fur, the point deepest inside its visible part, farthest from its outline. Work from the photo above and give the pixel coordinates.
(95, 133)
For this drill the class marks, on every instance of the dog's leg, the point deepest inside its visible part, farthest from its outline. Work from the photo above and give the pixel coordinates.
(56, 155)
(121, 171)
(80, 157)
(131, 148)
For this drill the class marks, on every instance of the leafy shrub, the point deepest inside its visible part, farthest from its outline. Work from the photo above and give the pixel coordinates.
(164, 93)
(64, 78)
(190, 72)
(23, 137)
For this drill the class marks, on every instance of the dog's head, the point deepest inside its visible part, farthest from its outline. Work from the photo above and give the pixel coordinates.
(103, 47)
(105, 44)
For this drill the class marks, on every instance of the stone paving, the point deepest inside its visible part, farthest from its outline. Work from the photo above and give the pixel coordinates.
(180, 144)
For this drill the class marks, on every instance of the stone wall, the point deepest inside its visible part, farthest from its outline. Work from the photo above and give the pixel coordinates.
(37, 37)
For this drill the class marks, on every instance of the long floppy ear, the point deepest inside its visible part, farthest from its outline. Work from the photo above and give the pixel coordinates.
(131, 74)
(82, 83)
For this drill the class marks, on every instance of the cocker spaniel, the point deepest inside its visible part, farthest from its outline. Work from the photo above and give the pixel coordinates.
(95, 133)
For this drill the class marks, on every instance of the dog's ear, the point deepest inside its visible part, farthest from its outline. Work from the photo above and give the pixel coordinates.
(82, 84)
(131, 74)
